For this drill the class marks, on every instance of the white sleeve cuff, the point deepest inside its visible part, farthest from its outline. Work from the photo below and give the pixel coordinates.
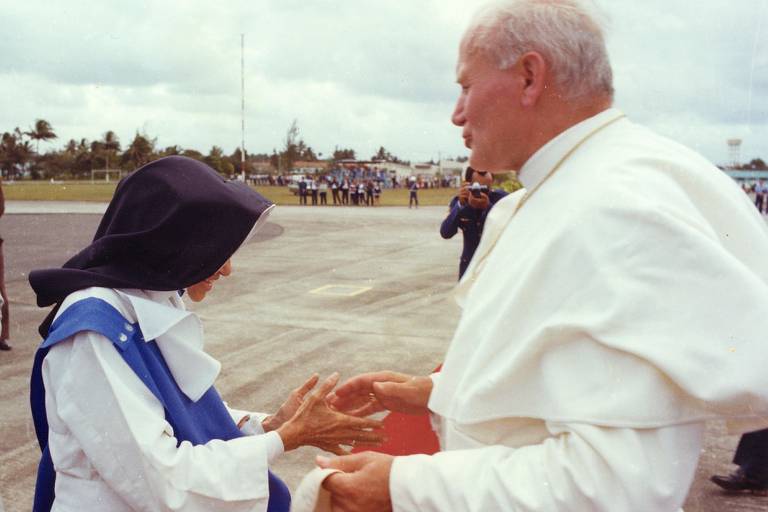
(275, 447)
(405, 470)
(253, 426)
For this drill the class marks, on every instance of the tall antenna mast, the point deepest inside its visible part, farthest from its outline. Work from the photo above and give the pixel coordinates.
(242, 107)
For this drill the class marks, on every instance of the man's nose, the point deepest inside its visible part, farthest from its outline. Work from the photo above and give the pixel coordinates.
(457, 117)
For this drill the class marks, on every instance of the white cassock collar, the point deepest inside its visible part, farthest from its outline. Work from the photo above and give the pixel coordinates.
(179, 336)
(537, 166)
(530, 175)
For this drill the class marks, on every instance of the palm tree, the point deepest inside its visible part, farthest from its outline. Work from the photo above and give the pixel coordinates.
(110, 144)
(171, 150)
(14, 153)
(41, 131)
(139, 152)
(71, 147)
(82, 164)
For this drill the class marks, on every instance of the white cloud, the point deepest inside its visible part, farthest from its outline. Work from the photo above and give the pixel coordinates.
(354, 73)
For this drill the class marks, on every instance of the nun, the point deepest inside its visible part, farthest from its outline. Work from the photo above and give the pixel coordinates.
(122, 392)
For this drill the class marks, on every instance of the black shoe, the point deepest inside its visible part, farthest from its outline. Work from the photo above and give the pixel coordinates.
(740, 481)
(4, 345)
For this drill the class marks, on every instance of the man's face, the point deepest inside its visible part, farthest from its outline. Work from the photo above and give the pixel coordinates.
(488, 111)
(483, 178)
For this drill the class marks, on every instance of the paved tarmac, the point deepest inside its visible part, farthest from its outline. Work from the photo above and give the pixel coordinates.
(320, 289)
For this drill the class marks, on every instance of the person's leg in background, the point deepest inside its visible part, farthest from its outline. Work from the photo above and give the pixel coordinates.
(5, 321)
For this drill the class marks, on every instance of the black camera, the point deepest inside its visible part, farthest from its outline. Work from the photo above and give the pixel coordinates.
(478, 189)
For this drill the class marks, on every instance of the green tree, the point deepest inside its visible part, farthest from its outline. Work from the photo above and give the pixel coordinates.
(295, 149)
(110, 145)
(386, 156)
(83, 159)
(71, 147)
(15, 153)
(139, 152)
(235, 160)
(97, 154)
(343, 154)
(507, 181)
(215, 159)
(171, 150)
(290, 151)
(55, 163)
(192, 153)
(227, 169)
(41, 131)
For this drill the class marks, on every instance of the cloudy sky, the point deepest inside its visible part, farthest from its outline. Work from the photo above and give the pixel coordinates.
(354, 73)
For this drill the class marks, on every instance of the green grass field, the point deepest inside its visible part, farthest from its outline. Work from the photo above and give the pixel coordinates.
(102, 192)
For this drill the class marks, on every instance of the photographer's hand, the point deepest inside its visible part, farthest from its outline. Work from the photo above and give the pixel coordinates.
(479, 203)
(464, 193)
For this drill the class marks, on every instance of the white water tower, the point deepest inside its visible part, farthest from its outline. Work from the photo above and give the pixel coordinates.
(734, 153)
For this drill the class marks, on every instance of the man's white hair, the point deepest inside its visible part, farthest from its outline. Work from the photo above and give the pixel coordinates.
(565, 32)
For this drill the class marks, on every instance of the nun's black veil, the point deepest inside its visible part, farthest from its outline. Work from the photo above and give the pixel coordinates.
(170, 224)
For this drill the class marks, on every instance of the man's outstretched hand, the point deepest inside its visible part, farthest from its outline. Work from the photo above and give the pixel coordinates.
(363, 485)
(369, 393)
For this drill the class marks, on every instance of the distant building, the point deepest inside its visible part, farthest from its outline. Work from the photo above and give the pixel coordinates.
(260, 167)
(746, 176)
(307, 167)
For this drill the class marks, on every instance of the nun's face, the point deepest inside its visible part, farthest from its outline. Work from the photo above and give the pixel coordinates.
(198, 291)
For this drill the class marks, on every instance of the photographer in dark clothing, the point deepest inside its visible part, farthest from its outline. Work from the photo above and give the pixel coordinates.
(468, 211)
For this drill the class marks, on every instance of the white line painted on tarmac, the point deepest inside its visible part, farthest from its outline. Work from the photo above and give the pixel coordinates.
(340, 290)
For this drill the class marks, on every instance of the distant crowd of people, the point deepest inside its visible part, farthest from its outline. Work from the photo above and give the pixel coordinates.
(344, 192)
(759, 192)
(359, 175)
(351, 192)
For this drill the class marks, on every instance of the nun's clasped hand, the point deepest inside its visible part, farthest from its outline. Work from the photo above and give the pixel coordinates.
(315, 423)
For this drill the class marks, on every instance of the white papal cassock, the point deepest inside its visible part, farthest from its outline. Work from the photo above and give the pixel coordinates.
(625, 303)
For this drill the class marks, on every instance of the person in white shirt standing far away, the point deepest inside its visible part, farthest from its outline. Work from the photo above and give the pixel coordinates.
(612, 307)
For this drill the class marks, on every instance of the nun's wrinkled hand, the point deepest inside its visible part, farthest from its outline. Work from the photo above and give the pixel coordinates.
(290, 406)
(315, 423)
(369, 393)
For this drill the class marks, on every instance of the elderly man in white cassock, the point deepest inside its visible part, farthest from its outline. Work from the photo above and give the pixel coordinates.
(612, 307)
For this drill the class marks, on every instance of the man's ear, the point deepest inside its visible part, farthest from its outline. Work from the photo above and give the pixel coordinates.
(533, 71)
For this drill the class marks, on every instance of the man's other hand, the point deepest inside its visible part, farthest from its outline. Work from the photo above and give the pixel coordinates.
(464, 193)
(363, 485)
(369, 393)
(479, 203)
